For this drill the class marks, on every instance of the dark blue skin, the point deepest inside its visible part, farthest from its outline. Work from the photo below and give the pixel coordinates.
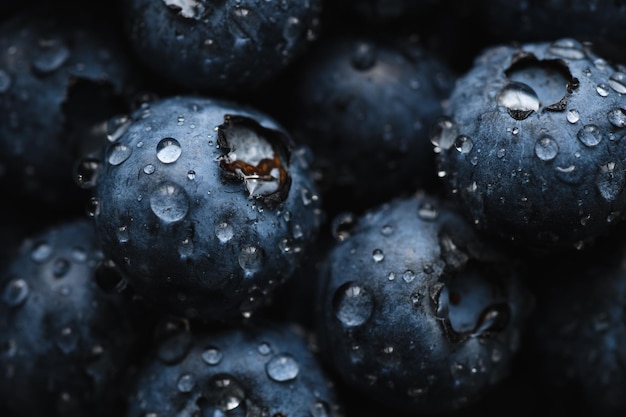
(225, 47)
(64, 342)
(61, 72)
(577, 335)
(416, 312)
(264, 369)
(365, 106)
(532, 145)
(186, 225)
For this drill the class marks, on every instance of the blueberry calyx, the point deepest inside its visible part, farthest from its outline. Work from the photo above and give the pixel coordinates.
(256, 156)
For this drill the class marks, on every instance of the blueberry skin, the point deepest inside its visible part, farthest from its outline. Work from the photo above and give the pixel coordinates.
(365, 107)
(416, 312)
(62, 70)
(191, 214)
(531, 144)
(577, 335)
(65, 343)
(224, 47)
(266, 369)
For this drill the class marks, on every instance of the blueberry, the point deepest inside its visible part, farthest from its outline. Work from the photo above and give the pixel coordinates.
(64, 343)
(416, 312)
(62, 71)
(531, 144)
(365, 107)
(205, 205)
(265, 369)
(224, 47)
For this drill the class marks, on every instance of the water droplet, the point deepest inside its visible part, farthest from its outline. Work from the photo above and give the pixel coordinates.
(610, 180)
(251, 259)
(93, 207)
(191, 175)
(212, 356)
(293, 30)
(5, 82)
(50, 56)
(617, 81)
(567, 48)
(224, 392)
(67, 339)
(87, 171)
(168, 150)
(342, 225)
(378, 255)
(61, 267)
(427, 211)
(169, 202)
(546, 148)
(463, 144)
(602, 90)
(494, 319)
(573, 116)
(319, 409)
(41, 252)
(408, 276)
(186, 382)
(282, 367)
(519, 99)
(185, 248)
(617, 117)
(264, 348)
(364, 56)
(224, 232)
(173, 349)
(590, 135)
(444, 133)
(117, 126)
(353, 304)
(118, 153)
(148, 169)
(15, 292)
(386, 230)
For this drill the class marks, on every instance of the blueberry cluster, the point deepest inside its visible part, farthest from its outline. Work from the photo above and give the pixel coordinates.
(277, 208)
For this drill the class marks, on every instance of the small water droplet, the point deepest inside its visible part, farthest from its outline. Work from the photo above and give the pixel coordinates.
(252, 259)
(118, 153)
(61, 267)
(546, 148)
(386, 230)
(463, 144)
(50, 56)
(169, 202)
(590, 135)
(573, 116)
(117, 126)
(191, 175)
(444, 133)
(15, 292)
(149, 169)
(319, 409)
(567, 48)
(224, 232)
(602, 90)
(282, 367)
(87, 171)
(186, 382)
(364, 56)
(353, 304)
(378, 255)
(264, 349)
(41, 252)
(342, 225)
(408, 276)
(212, 356)
(610, 180)
(224, 392)
(67, 339)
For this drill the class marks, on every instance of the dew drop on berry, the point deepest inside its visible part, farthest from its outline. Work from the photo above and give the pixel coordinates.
(117, 126)
(567, 48)
(224, 232)
(378, 255)
(443, 134)
(342, 225)
(282, 367)
(50, 56)
(610, 180)
(186, 382)
(169, 202)
(212, 355)
(519, 99)
(602, 90)
(319, 409)
(5, 82)
(118, 153)
(41, 252)
(168, 150)
(148, 169)
(251, 259)
(353, 304)
(15, 292)
(617, 117)
(408, 276)
(617, 81)
(61, 267)
(573, 116)
(264, 348)
(546, 148)
(463, 144)
(590, 135)
(224, 392)
(364, 56)
(67, 339)
(427, 211)
(86, 174)
(386, 230)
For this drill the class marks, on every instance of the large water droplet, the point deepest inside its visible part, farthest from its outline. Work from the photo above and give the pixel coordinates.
(617, 117)
(168, 150)
(15, 292)
(353, 304)
(444, 133)
(519, 99)
(282, 367)
(590, 135)
(546, 148)
(573, 116)
(118, 153)
(463, 144)
(617, 81)
(169, 202)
